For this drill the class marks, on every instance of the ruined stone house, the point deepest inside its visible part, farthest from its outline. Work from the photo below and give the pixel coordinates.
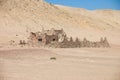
(58, 39)
(46, 37)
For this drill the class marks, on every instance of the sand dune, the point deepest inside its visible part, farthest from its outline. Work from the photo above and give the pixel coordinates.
(21, 17)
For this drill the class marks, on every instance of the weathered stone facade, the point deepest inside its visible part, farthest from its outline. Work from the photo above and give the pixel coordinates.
(58, 39)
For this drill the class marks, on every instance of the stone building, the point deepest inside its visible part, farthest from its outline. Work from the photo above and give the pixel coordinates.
(46, 37)
(58, 39)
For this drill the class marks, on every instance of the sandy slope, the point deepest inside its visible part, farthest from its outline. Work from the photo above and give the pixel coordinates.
(71, 64)
(19, 17)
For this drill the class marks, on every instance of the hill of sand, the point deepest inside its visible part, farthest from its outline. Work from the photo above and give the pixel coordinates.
(20, 17)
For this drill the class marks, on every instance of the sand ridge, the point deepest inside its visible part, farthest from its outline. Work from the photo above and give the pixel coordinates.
(19, 17)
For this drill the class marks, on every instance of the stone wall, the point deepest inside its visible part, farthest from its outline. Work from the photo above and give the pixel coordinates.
(51, 38)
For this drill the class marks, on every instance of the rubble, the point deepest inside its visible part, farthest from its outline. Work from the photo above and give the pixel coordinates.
(58, 39)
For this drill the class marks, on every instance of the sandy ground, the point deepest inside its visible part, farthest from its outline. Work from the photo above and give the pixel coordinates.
(20, 17)
(70, 64)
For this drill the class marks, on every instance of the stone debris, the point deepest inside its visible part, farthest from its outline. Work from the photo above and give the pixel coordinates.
(58, 39)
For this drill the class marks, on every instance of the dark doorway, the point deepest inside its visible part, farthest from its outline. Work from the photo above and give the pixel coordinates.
(54, 40)
(40, 40)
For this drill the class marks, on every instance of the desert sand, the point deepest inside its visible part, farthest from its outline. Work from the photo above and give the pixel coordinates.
(70, 64)
(20, 17)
